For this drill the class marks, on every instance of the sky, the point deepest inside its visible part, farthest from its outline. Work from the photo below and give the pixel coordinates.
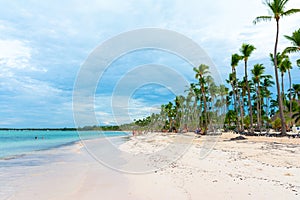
(45, 44)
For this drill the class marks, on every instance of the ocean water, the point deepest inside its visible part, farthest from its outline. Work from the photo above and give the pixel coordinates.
(24, 154)
(14, 144)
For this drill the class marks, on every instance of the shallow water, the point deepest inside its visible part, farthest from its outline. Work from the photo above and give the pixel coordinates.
(14, 144)
(38, 157)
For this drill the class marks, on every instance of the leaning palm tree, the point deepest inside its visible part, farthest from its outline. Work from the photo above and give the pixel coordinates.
(246, 51)
(295, 40)
(277, 8)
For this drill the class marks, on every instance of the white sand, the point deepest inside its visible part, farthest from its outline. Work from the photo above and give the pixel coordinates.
(232, 170)
(256, 168)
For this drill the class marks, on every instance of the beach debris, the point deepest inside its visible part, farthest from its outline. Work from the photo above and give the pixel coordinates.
(238, 138)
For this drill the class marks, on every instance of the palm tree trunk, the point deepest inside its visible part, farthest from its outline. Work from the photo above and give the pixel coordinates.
(249, 98)
(267, 111)
(237, 113)
(259, 119)
(283, 128)
(290, 95)
(205, 110)
(235, 107)
(242, 112)
(238, 102)
(282, 86)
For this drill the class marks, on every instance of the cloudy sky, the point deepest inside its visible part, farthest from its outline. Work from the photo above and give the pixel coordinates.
(44, 44)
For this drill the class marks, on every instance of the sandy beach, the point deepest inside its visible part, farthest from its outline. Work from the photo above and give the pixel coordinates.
(254, 168)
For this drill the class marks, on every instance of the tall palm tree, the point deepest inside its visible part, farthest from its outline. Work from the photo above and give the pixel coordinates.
(246, 51)
(288, 66)
(280, 57)
(196, 112)
(277, 8)
(295, 40)
(223, 93)
(242, 86)
(257, 72)
(179, 109)
(235, 59)
(266, 83)
(232, 81)
(201, 73)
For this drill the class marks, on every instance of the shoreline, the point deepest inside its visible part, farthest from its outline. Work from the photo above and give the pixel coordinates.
(255, 168)
(69, 142)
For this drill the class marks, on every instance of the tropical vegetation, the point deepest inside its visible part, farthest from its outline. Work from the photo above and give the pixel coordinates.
(246, 102)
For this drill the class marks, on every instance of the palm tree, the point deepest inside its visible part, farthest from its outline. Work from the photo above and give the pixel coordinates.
(170, 113)
(282, 70)
(235, 59)
(296, 115)
(201, 71)
(242, 86)
(296, 91)
(246, 51)
(280, 57)
(295, 40)
(288, 66)
(179, 109)
(223, 91)
(232, 81)
(277, 8)
(257, 72)
(273, 106)
(267, 82)
(195, 112)
(201, 74)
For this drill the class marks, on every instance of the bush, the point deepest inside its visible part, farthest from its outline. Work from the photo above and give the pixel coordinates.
(276, 124)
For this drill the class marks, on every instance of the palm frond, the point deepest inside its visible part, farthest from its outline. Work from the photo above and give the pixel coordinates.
(262, 18)
(298, 62)
(290, 38)
(290, 12)
(291, 50)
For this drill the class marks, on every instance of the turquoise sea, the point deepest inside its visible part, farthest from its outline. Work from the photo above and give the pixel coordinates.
(23, 153)
(14, 144)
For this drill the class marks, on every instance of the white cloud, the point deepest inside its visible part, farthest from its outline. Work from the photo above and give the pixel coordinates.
(16, 55)
(121, 109)
(57, 32)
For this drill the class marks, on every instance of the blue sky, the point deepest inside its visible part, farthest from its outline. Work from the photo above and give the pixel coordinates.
(43, 45)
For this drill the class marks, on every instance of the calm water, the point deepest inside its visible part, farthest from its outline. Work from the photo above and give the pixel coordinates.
(22, 154)
(17, 143)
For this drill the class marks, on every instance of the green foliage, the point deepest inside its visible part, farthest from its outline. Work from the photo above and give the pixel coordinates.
(276, 124)
(247, 122)
(230, 118)
(143, 122)
(99, 128)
